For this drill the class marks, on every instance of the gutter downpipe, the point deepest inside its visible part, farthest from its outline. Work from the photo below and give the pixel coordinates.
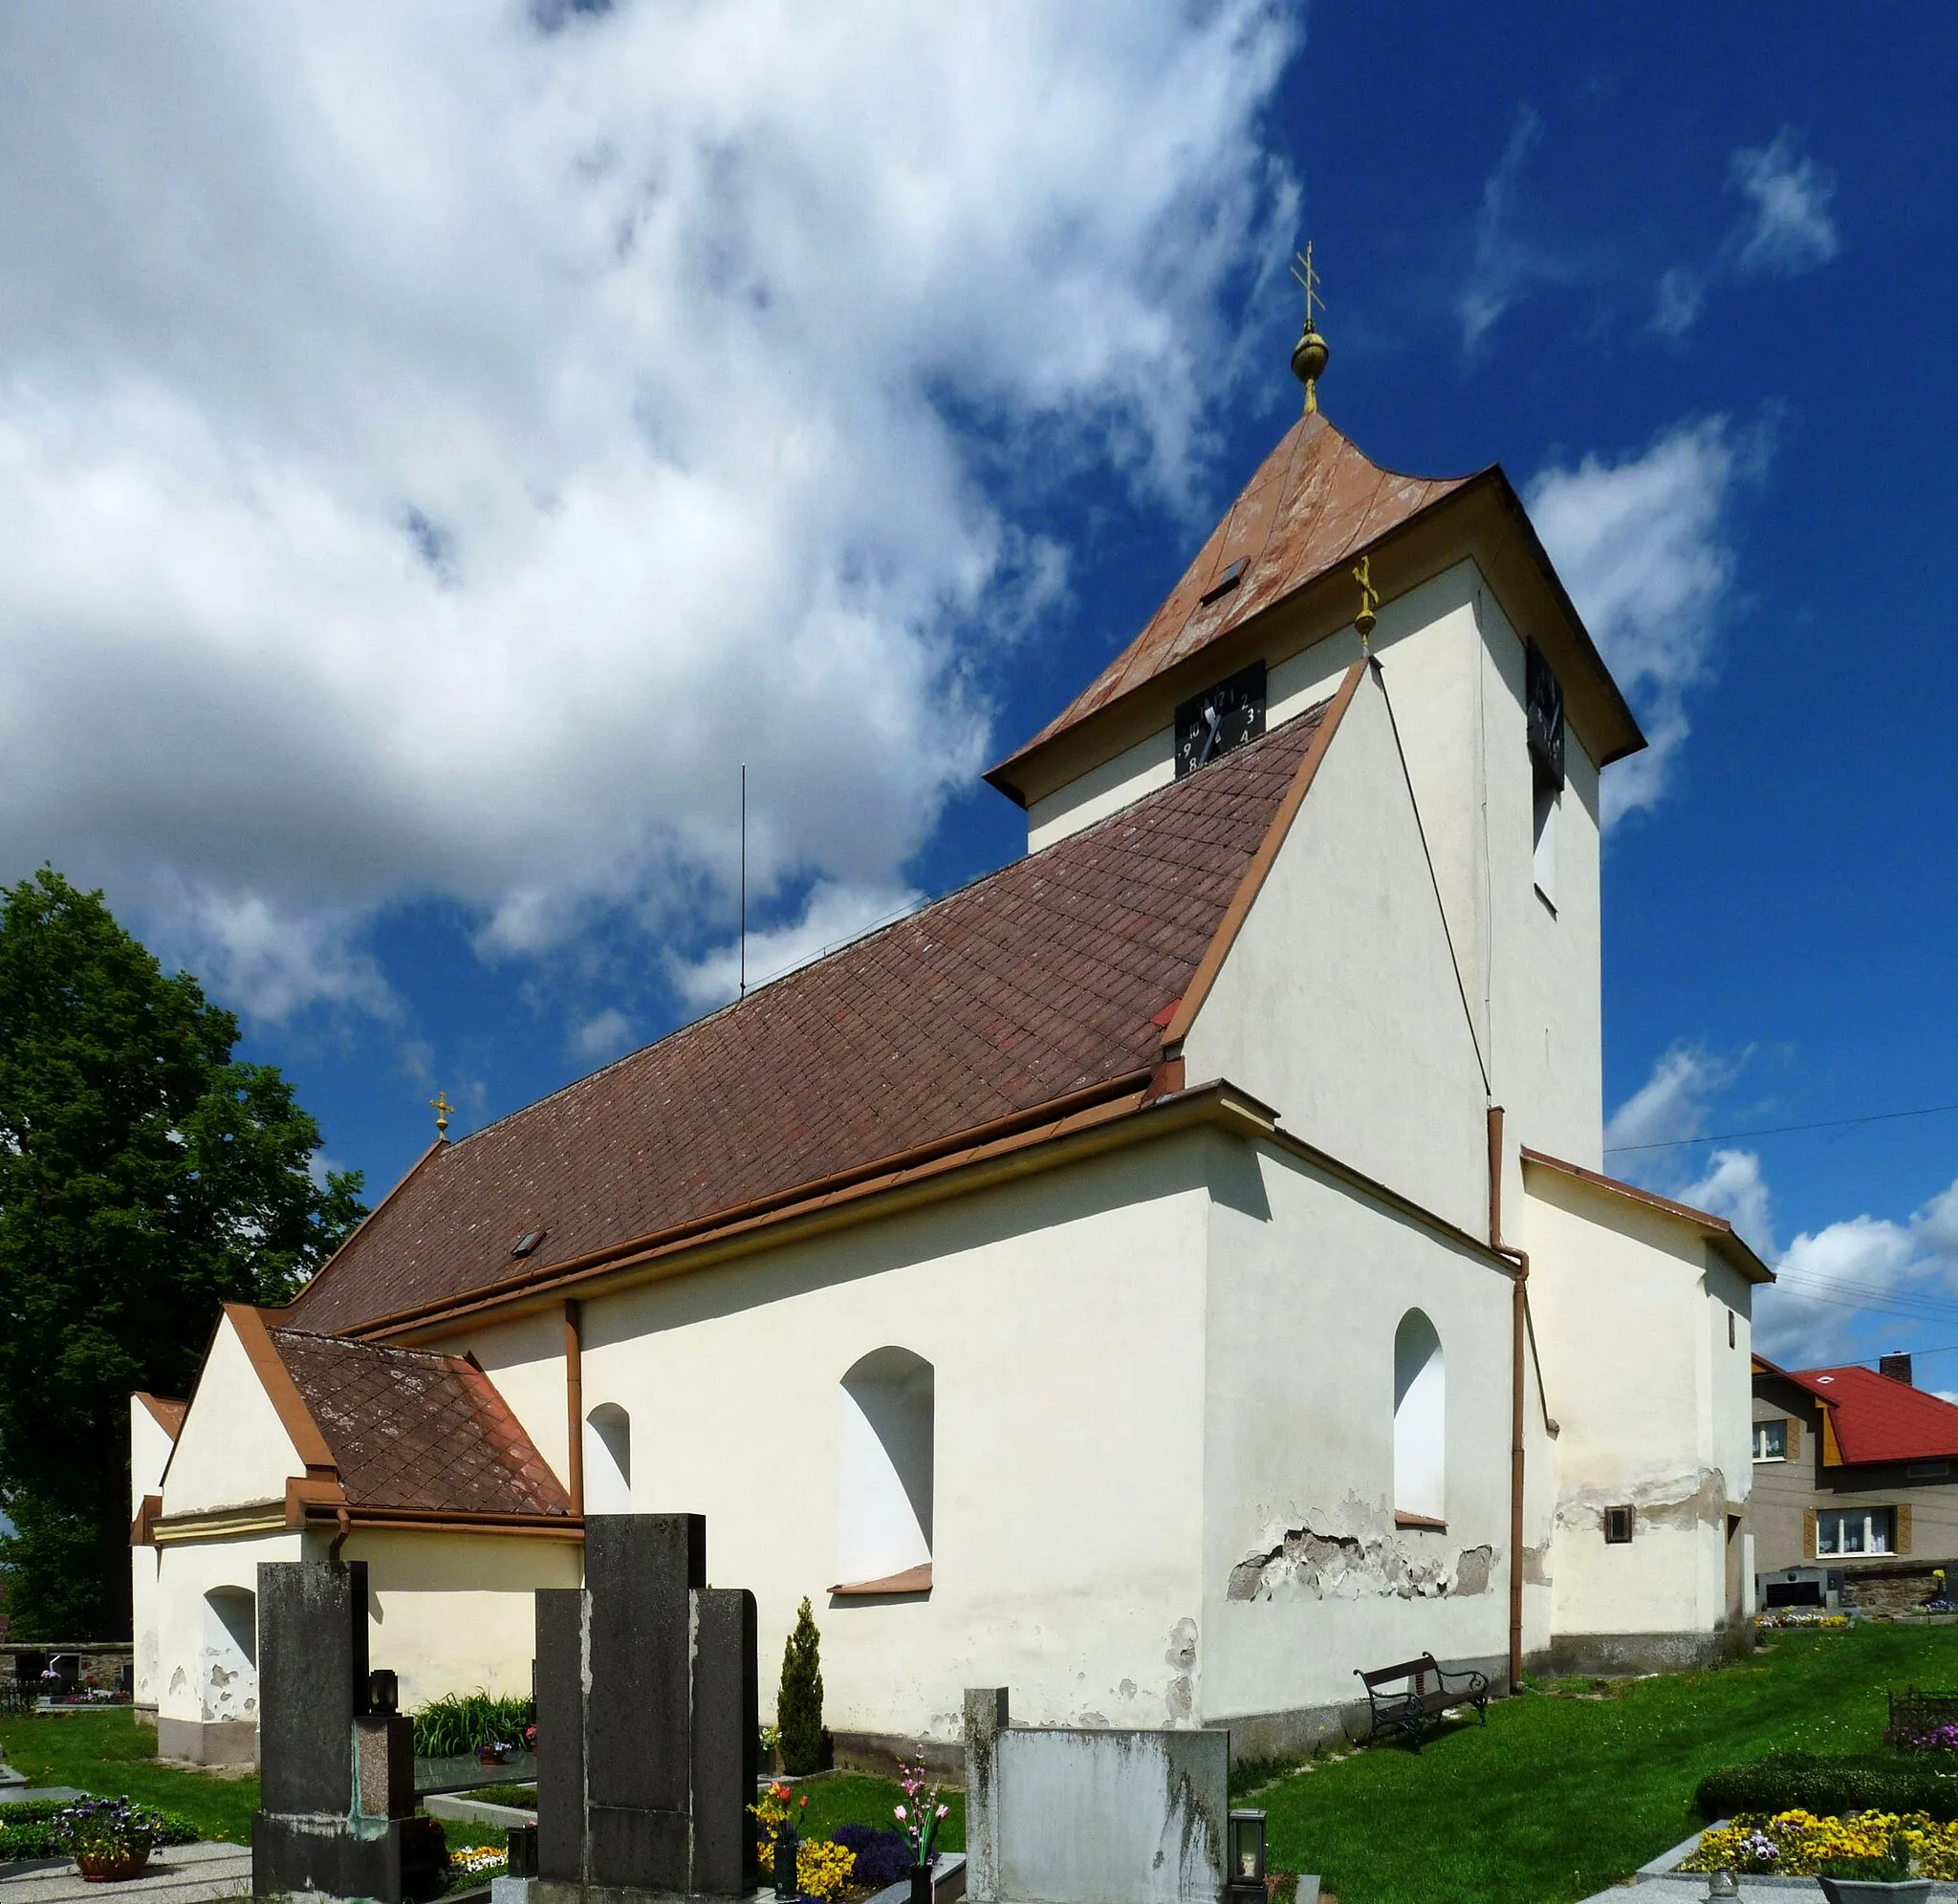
(575, 1406)
(1518, 1347)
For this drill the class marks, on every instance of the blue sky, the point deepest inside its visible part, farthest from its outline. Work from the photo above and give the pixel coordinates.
(411, 530)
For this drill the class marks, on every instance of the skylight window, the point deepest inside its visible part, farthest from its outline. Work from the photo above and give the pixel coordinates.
(527, 1242)
(1225, 583)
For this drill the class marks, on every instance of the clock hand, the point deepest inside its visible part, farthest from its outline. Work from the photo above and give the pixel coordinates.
(1216, 721)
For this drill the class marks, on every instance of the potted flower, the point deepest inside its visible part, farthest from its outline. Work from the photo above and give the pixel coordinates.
(110, 1837)
(778, 1819)
(1873, 1880)
(919, 1818)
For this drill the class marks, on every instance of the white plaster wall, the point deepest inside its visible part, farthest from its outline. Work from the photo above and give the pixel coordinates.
(150, 1453)
(525, 1358)
(232, 1450)
(1454, 670)
(1620, 1302)
(457, 1613)
(1337, 1004)
(198, 1672)
(1308, 1285)
(1063, 1316)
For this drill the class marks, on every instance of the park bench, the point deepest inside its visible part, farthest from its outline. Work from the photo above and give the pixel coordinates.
(1407, 1697)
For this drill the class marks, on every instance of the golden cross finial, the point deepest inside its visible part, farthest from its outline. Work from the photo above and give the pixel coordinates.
(1369, 601)
(1309, 355)
(441, 1107)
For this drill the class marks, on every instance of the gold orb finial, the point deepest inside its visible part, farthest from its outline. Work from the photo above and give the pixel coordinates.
(1309, 354)
(441, 1107)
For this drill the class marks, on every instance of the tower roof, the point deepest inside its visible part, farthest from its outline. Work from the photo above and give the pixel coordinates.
(1316, 505)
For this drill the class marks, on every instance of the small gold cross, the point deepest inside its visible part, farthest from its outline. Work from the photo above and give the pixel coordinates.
(1308, 281)
(1369, 601)
(441, 1107)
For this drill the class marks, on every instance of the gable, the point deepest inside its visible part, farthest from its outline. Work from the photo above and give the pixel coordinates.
(234, 1449)
(1338, 1002)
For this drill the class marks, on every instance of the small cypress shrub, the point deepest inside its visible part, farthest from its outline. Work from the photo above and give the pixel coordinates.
(798, 1705)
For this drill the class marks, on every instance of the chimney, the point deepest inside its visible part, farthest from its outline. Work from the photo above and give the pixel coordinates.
(1896, 1367)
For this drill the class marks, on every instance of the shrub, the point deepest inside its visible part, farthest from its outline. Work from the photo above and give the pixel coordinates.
(460, 1722)
(883, 1857)
(1804, 1782)
(36, 1828)
(798, 1705)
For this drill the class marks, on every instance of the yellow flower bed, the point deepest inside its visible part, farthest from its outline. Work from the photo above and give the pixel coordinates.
(822, 1870)
(1795, 1842)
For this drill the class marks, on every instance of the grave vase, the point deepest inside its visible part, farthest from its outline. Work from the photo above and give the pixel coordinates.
(921, 1884)
(785, 1863)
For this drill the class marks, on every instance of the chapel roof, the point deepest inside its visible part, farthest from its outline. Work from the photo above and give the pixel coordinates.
(1876, 1417)
(1315, 502)
(165, 1411)
(411, 1430)
(1052, 977)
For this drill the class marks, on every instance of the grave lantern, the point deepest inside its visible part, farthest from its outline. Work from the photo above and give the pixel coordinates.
(1247, 1857)
(384, 1692)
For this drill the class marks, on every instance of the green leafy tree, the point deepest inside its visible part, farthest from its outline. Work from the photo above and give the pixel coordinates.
(798, 1705)
(146, 1176)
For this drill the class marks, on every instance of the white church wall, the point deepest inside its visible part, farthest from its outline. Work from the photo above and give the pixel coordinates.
(1306, 1575)
(525, 1358)
(1062, 1316)
(1337, 1004)
(232, 1450)
(206, 1679)
(150, 1453)
(1620, 1300)
(1103, 790)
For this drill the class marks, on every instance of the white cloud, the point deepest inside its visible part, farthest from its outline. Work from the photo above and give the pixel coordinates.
(1671, 1105)
(602, 1036)
(435, 450)
(1732, 1186)
(1792, 229)
(1787, 229)
(1505, 264)
(1644, 547)
(833, 915)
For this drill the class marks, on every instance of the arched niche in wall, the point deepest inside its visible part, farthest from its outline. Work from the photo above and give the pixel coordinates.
(229, 1680)
(608, 1460)
(886, 1411)
(1421, 1417)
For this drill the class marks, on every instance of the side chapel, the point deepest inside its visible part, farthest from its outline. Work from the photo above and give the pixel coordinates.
(1166, 1275)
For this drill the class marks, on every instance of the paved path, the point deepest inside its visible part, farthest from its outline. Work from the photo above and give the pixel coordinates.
(177, 1874)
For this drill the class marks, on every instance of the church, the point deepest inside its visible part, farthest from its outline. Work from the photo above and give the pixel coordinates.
(1163, 1277)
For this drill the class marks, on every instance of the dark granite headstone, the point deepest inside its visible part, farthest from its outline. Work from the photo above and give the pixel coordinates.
(647, 1702)
(335, 1785)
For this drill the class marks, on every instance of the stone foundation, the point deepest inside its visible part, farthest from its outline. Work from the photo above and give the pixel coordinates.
(218, 1742)
(1623, 1656)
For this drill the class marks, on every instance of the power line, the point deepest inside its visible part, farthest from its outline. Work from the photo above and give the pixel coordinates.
(1781, 1129)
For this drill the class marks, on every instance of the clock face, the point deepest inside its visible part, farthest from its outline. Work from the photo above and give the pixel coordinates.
(1221, 718)
(1543, 706)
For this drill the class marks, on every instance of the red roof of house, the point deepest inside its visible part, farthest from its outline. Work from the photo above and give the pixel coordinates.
(165, 1411)
(1877, 1418)
(412, 1430)
(1315, 502)
(1052, 976)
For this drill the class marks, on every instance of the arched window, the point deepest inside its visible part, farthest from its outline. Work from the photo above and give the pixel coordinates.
(608, 1460)
(885, 1411)
(228, 1682)
(1420, 1419)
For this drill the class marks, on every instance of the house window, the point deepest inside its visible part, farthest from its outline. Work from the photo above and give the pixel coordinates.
(1771, 1441)
(1618, 1526)
(608, 1460)
(1420, 1421)
(1928, 1470)
(886, 1422)
(1855, 1530)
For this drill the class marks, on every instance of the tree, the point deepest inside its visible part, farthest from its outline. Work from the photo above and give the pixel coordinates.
(798, 1705)
(146, 1176)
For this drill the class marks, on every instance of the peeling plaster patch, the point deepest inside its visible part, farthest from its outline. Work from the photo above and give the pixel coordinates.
(1683, 1501)
(1095, 1719)
(1127, 1689)
(1306, 1563)
(1537, 1566)
(179, 1680)
(1471, 1570)
(1181, 1697)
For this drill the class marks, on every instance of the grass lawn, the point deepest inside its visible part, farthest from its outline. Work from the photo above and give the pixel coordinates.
(1561, 1796)
(108, 1754)
(855, 1798)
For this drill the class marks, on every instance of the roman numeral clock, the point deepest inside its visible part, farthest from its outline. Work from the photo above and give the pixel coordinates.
(1222, 717)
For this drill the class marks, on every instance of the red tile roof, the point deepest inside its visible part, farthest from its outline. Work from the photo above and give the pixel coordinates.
(408, 1429)
(1048, 976)
(165, 1411)
(1877, 1418)
(1315, 503)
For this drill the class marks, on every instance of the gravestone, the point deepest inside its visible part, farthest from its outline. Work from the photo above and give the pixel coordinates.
(648, 1698)
(336, 1779)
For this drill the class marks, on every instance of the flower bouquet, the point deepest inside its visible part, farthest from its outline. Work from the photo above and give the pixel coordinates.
(110, 1837)
(919, 1818)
